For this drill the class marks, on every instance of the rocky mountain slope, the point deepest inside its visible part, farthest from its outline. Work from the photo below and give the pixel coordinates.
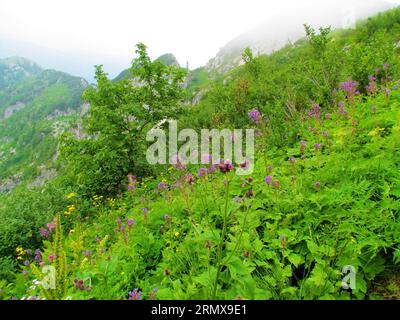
(35, 105)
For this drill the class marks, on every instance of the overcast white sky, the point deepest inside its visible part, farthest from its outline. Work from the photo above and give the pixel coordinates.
(108, 29)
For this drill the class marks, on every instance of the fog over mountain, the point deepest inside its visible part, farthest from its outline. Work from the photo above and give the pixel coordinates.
(74, 35)
(286, 25)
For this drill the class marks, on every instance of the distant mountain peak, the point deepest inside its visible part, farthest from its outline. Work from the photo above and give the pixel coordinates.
(20, 65)
(168, 59)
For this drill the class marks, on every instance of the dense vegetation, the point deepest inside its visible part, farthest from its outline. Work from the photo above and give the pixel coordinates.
(44, 100)
(324, 193)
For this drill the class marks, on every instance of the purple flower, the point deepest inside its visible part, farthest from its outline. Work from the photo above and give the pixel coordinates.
(28, 252)
(51, 226)
(317, 146)
(130, 223)
(328, 116)
(87, 253)
(153, 294)
(162, 185)
(303, 143)
(26, 263)
(245, 165)
(167, 218)
(118, 220)
(51, 257)
(44, 233)
(292, 160)
(189, 178)
(38, 252)
(268, 180)
(226, 166)
(211, 170)
(349, 87)
(135, 295)
(317, 185)
(255, 115)
(325, 134)
(177, 184)
(178, 162)
(202, 172)
(315, 109)
(270, 168)
(341, 104)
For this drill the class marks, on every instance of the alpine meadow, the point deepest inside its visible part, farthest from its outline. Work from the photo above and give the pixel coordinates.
(85, 216)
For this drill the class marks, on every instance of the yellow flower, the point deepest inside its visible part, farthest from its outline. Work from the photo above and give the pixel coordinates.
(19, 250)
(376, 132)
(71, 195)
(177, 233)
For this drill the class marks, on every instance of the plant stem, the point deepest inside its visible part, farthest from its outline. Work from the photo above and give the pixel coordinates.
(219, 253)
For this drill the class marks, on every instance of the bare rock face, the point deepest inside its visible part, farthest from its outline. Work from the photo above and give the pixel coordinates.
(197, 98)
(45, 175)
(8, 112)
(10, 183)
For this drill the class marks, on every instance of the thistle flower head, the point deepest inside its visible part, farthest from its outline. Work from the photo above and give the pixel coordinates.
(202, 172)
(226, 166)
(135, 295)
(87, 253)
(130, 223)
(189, 178)
(268, 180)
(255, 116)
(162, 185)
(349, 87)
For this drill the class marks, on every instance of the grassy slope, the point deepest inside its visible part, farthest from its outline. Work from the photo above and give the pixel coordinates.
(286, 242)
(350, 220)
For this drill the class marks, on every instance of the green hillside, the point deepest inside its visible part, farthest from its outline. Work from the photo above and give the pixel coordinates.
(33, 104)
(323, 198)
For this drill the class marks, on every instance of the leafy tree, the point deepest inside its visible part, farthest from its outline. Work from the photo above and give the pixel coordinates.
(120, 114)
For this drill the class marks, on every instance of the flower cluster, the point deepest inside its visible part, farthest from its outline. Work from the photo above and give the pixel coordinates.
(131, 182)
(70, 209)
(255, 116)
(226, 166)
(135, 295)
(349, 87)
(46, 231)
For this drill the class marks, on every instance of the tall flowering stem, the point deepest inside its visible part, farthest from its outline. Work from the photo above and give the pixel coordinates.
(221, 242)
(350, 90)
